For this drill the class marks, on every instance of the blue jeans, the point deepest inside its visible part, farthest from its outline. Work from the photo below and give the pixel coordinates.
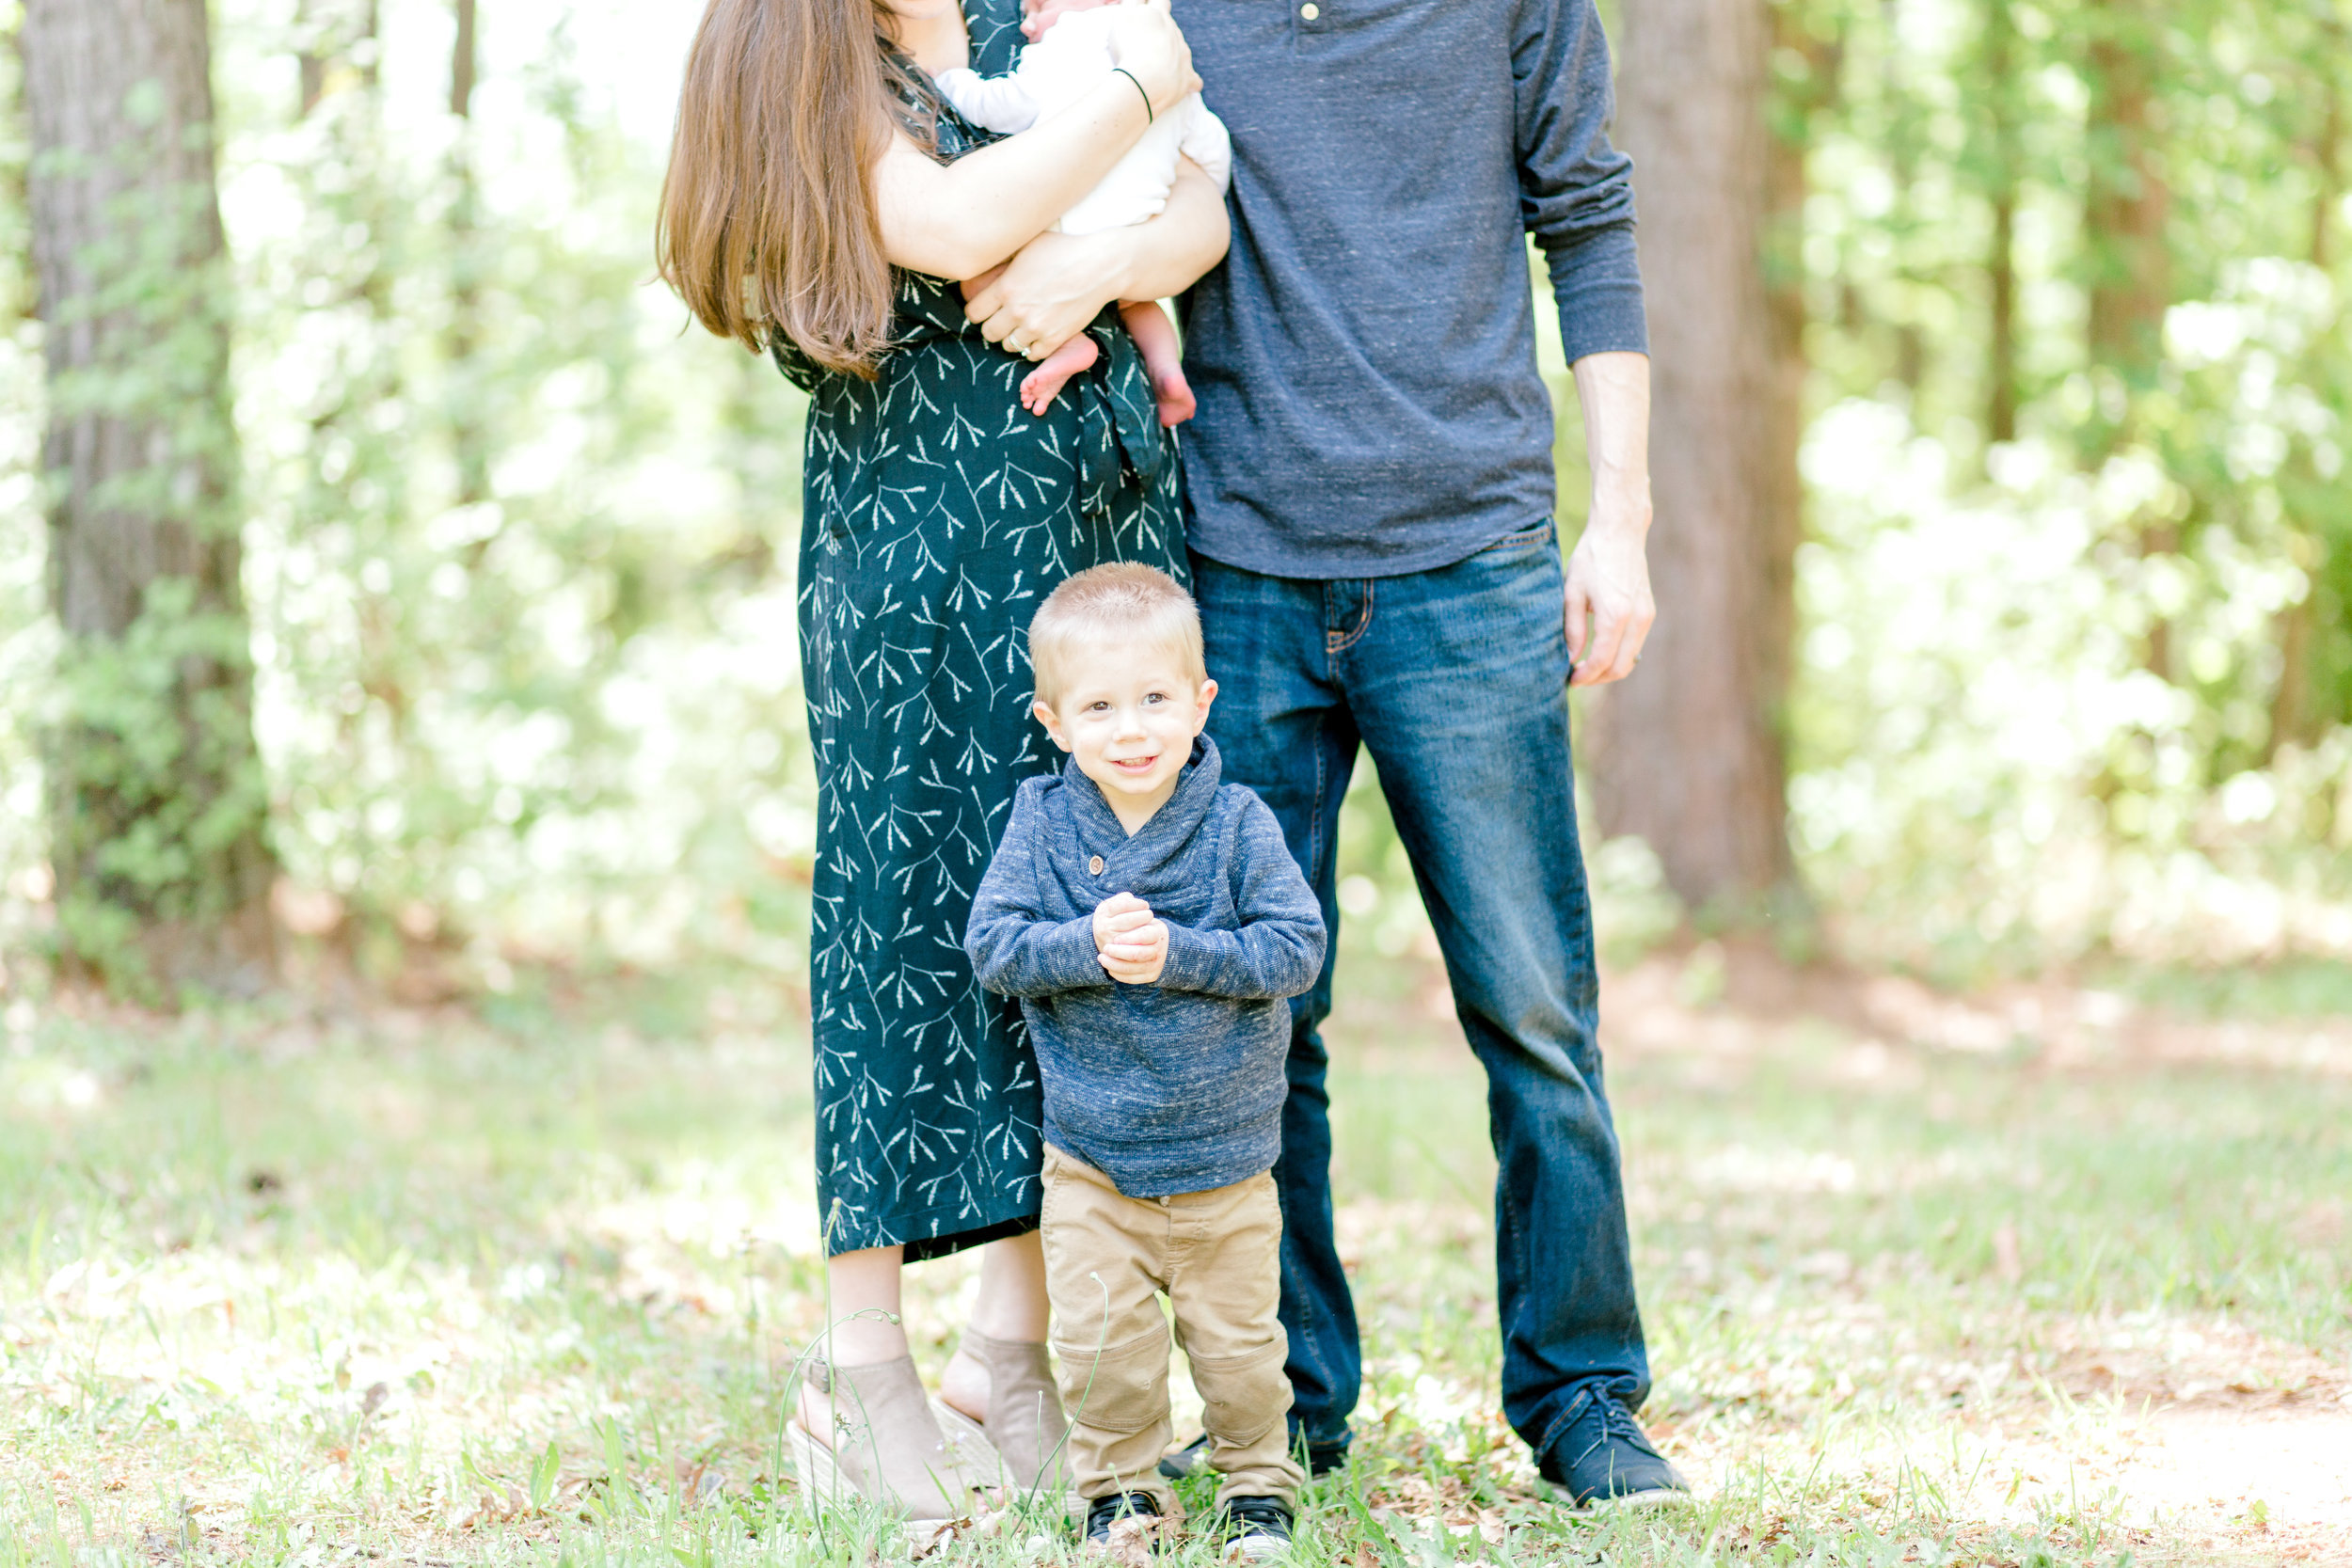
(1455, 680)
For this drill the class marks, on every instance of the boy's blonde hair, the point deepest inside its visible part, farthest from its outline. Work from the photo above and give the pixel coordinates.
(1124, 602)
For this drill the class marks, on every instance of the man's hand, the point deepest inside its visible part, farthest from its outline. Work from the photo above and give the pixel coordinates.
(1051, 289)
(1607, 588)
(1608, 607)
(1131, 944)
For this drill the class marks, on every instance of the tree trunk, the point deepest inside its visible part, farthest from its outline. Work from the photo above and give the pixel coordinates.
(2001, 90)
(156, 797)
(2124, 213)
(333, 33)
(466, 406)
(2294, 718)
(2328, 147)
(1689, 755)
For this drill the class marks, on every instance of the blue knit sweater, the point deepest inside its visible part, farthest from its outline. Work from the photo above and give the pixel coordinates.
(1168, 1088)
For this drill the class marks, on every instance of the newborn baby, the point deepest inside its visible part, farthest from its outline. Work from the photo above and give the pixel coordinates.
(1068, 56)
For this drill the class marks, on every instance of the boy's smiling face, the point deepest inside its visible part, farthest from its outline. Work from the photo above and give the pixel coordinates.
(1128, 714)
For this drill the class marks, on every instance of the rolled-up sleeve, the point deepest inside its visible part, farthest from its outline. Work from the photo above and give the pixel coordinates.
(1576, 189)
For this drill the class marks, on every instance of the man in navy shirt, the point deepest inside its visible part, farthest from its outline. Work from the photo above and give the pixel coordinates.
(1370, 506)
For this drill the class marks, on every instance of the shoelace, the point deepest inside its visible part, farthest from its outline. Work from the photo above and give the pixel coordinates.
(1616, 1421)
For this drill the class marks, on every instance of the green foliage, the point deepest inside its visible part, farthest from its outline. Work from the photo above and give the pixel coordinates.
(529, 674)
(157, 806)
(370, 1285)
(2083, 691)
(157, 784)
(519, 553)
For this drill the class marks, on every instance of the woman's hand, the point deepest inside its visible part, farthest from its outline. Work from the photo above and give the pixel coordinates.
(1057, 283)
(960, 220)
(1047, 294)
(1146, 42)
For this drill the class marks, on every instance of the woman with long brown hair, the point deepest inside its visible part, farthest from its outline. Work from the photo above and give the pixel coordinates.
(821, 199)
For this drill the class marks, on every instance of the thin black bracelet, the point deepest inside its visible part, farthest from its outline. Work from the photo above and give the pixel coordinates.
(1149, 117)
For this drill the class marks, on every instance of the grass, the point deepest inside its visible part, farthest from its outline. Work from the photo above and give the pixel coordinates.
(284, 1289)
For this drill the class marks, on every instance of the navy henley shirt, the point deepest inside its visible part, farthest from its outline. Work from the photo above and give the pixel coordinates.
(1366, 358)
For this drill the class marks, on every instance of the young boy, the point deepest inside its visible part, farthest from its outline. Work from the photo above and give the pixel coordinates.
(1152, 924)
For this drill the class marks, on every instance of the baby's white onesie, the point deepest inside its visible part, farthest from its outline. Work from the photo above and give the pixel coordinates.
(1063, 65)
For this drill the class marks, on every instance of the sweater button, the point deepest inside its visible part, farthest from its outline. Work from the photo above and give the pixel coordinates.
(1309, 10)
(1094, 867)
(1163, 1203)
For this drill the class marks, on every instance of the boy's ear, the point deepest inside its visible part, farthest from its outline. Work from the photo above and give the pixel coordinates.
(1207, 695)
(1043, 712)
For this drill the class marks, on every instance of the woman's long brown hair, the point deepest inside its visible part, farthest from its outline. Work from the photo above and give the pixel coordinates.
(768, 221)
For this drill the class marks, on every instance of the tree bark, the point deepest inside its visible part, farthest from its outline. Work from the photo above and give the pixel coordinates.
(2001, 88)
(2292, 719)
(467, 408)
(156, 799)
(1689, 754)
(2327, 146)
(2124, 213)
(332, 34)
(461, 64)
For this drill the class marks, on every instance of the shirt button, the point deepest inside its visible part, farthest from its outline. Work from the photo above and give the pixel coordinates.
(1309, 10)
(1163, 1203)
(1094, 867)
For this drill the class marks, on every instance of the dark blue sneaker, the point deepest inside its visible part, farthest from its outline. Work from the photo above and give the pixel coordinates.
(1193, 1459)
(1190, 1459)
(1605, 1459)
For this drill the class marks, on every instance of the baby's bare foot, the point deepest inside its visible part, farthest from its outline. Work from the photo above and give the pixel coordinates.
(1174, 395)
(1038, 389)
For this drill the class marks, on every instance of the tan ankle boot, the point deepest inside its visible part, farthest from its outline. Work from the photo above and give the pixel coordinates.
(886, 1445)
(1025, 1426)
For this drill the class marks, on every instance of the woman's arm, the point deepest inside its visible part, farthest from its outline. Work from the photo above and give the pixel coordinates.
(960, 219)
(1059, 283)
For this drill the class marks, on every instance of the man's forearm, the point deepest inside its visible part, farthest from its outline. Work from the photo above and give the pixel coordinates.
(1608, 579)
(1614, 390)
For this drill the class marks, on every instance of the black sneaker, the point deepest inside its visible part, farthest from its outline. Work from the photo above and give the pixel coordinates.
(1102, 1512)
(1254, 1529)
(1606, 1460)
(1193, 1459)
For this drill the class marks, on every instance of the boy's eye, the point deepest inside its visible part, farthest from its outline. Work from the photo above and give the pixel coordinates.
(1151, 697)
(1098, 707)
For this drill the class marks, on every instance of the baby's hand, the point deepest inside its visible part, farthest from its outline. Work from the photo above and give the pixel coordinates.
(1041, 15)
(1130, 944)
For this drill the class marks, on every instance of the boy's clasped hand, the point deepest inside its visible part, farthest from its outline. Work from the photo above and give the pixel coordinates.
(1131, 942)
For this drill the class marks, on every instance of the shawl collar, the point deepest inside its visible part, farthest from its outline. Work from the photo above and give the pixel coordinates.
(1158, 841)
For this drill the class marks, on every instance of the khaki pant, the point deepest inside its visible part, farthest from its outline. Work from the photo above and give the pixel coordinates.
(1216, 1254)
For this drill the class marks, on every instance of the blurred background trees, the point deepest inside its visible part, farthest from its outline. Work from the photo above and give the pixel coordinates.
(156, 799)
(2004, 542)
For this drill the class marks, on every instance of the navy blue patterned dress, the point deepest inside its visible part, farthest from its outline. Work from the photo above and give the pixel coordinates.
(937, 513)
